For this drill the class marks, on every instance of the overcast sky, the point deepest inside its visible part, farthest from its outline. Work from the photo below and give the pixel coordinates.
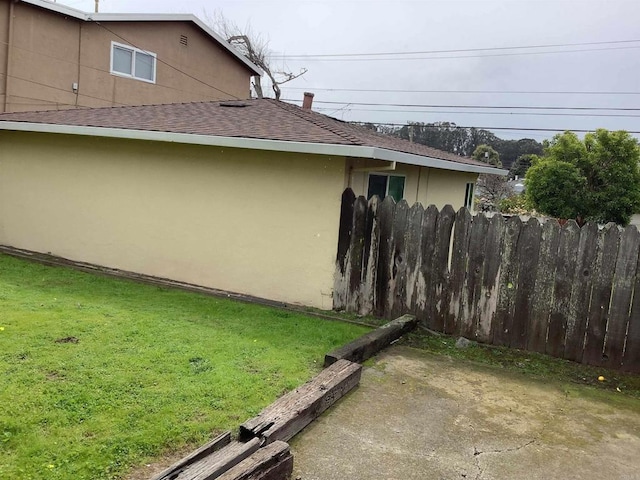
(321, 27)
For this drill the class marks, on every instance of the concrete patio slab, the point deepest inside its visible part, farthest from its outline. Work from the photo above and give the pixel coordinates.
(420, 416)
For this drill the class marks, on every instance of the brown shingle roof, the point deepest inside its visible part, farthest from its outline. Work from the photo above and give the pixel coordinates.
(259, 119)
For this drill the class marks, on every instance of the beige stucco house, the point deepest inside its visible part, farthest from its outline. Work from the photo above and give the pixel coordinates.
(240, 196)
(55, 57)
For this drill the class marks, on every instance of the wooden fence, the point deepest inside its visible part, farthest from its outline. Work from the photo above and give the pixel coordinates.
(562, 290)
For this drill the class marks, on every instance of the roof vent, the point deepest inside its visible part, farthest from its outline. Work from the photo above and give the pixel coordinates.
(233, 104)
(184, 40)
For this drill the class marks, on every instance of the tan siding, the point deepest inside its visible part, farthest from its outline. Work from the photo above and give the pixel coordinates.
(51, 52)
(425, 185)
(258, 223)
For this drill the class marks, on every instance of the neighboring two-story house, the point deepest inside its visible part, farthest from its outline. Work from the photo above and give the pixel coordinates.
(56, 57)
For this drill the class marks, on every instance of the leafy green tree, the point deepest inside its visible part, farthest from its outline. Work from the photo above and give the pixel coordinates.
(487, 154)
(521, 165)
(597, 178)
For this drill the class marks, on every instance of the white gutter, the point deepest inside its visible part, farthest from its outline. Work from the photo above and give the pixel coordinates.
(144, 17)
(333, 149)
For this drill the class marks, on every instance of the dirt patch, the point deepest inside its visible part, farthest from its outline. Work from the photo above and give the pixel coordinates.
(68, 340)
(417, 416)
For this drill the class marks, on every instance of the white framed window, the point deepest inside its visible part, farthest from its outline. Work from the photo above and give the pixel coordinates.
(131, 62)
(383, 185)
(468, 195)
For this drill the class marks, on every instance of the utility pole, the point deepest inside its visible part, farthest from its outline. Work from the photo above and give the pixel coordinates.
(97, 3)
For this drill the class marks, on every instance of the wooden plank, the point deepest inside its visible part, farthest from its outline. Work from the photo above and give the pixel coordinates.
(608, 240)
(344, 242)
(413, 247)
(398, 281)
(565, 274)
(425, 284)
(353, 267)
(508, 283)
(208, 448)
(623, 282)
(368, 345)
(440, 268)
(631, 359)
(453, 299)
(470, 298)
(527, 253)
(273, 462)
(489, 289)
(385, 255)
(581, 293)
(291, 413)
(543, 293)
(218, 462)
(370, 260)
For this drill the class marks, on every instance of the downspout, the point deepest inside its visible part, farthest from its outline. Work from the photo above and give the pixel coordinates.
(9, 49)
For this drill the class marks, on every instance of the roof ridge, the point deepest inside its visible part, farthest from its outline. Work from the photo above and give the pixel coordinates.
(309, 117)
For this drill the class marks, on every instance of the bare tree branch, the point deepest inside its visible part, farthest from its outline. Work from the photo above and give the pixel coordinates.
(255, 48)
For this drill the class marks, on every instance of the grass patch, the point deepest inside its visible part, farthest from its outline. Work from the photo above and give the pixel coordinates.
(98, 374)
(529, 363)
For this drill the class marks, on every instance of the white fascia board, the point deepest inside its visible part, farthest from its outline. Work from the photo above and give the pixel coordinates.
(58, 8)
(145, 17)
(332, 149)
(423, 161)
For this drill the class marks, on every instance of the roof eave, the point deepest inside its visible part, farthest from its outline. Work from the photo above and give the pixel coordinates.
(145, 17)
(358, 151)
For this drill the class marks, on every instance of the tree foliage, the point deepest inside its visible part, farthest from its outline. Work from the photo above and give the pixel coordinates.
(487, 154)
(592, 179)
(521, 165)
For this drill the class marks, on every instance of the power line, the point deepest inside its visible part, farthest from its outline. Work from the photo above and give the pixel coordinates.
(518, 92)
(523, 129)
(502, 107)
(450, 57)
(614, 115)
(463, 50)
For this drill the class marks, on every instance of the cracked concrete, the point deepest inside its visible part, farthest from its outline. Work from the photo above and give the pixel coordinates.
(419, 416)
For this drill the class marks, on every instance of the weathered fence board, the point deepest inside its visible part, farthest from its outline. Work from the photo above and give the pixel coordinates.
(508, 281)
(527, 252)
(601, 294)
(471, 290)
(568, 291)
(461, 232)
(623, 282)
(488, 302)
(581, 293)
(543, 292)
(565, 273)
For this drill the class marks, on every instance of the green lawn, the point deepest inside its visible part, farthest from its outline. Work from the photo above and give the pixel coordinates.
(98, 375)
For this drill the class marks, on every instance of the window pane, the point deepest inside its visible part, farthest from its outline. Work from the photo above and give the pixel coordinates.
(468, 196)
(377, 186)
(144, 66)
(122, 60)
(396, 188)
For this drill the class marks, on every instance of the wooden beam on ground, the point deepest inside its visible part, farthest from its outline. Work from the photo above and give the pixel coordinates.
(291, 413)
(216, 444)
(218, 462)
(273, 462)
(368, 345)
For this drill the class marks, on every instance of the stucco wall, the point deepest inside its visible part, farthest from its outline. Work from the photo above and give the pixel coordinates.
(51, 52)
(258, 223)
(429, 186)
